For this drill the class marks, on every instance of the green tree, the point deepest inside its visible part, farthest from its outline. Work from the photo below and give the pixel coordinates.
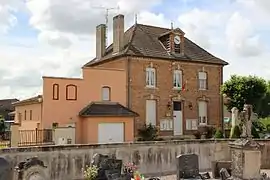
(244, 89)
(263, 107)
(2, 128)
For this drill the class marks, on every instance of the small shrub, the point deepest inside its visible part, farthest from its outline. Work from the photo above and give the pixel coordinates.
(254, 133)
(197, 134)
(210, 131)
(148, 133)
(218, 134)
(91, 172)
(268, 128)
(235, 132)
(206, 130)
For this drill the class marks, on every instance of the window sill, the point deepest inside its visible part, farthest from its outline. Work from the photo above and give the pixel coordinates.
(202, 124)
(177, 88)
(202, 89)
(165, 130)
(150, 87)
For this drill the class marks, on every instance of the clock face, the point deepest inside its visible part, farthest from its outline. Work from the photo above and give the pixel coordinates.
(177, 40)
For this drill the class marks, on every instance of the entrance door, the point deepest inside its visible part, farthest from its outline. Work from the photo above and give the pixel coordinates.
(177, 118)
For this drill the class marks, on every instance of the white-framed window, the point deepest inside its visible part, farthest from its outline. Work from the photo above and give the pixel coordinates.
(202, 80)
(177, 79)
(150, 77)
(202, 112)
(191, 124)
(106, 93)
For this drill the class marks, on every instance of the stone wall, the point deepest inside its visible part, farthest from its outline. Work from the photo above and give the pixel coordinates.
(158, 158)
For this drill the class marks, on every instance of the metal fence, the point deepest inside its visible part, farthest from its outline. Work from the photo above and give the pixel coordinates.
(36, 137)
(5, 139)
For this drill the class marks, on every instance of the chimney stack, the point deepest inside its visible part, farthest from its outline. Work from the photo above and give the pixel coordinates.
(100, 40)
(118, 33)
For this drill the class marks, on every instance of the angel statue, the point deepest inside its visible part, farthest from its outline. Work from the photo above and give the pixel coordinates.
(245, 118)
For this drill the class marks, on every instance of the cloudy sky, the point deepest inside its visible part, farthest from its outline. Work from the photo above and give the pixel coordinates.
(56, 37)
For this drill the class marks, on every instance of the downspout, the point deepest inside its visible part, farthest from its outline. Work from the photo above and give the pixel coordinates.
(128, 83)
(222, 102)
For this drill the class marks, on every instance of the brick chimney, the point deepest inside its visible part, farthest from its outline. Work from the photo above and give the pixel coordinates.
(100, 40)
(118, 33)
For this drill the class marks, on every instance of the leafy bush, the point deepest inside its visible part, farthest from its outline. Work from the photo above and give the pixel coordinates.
(254, 133)
(148, 133)
(91, 172)
(218, 134)
(210, 131)
(206, 130)
(268, 128)
(197, 134)
(235, 132)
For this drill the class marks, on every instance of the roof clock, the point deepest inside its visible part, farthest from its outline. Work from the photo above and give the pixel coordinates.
(177, 39)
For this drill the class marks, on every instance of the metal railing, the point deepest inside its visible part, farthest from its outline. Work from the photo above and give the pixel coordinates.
(36, 137)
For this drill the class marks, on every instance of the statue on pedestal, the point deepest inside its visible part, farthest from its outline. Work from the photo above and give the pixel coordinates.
(245, 118)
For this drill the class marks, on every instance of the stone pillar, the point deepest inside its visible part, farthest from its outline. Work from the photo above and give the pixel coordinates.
(234, 117)
(246, 159)
(15, 135)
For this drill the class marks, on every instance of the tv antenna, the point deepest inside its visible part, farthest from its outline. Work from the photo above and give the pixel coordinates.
(106, 18)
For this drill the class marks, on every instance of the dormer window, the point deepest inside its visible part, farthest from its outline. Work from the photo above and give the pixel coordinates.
(177, 41)
(173, 41)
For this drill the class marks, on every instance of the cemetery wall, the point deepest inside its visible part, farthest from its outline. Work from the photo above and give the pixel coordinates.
(157, 158)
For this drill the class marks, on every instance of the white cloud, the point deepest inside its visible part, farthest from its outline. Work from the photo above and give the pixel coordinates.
(78, 17)
(55, 39)
(7, 17)
(146, 17)
(241, 36)
(21, 72)
(199, 24)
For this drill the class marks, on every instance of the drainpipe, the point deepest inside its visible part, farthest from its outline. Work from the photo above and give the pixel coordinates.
(128, 83)
(222, 102)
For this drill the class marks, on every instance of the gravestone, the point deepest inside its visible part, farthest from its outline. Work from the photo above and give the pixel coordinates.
(224, 174)
(5, 169)
(187, 166)
(109, 168)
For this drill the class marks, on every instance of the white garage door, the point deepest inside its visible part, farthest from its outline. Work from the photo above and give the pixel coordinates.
(110, 132)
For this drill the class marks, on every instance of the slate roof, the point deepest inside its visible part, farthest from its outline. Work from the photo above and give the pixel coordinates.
(143, 41)
(6, 104)
(101, 109)
(35, 99)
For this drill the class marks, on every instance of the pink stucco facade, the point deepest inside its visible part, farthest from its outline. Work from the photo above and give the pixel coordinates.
(29, 116)
(83, 91)
(64, 98)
